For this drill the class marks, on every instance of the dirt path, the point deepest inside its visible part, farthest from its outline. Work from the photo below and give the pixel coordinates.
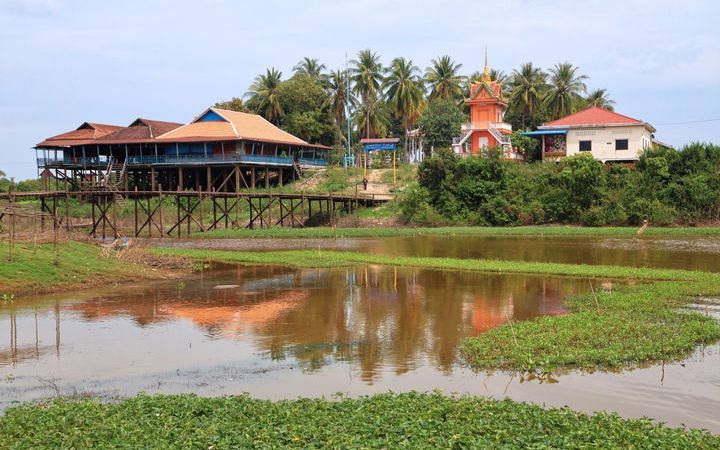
(376, 186)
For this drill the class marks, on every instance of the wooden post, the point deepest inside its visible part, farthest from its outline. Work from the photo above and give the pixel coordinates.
(180, 179)
(331, 208)
(237, 179)
(267, 178)
(67, 209)
(177, 201)
(394, 172)
(152, 178)
(114, 217)
(12, 224)
(280, 177)
(200, 199)
(209, 179)
(252, 178)
(92, 202)
(136, 213)
(160, 211)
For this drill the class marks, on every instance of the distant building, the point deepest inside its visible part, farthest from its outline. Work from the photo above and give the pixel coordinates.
(219, 150)
(486, 127)
(606, 135)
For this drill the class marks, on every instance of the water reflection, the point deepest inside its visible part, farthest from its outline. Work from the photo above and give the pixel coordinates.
(373, 318)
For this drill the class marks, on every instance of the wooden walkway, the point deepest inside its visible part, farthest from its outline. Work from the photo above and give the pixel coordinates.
(174, 213)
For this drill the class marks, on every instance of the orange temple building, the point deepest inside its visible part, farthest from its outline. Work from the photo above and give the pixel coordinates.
(486, 127)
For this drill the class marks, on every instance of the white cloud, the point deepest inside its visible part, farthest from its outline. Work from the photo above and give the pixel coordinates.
(32, 7)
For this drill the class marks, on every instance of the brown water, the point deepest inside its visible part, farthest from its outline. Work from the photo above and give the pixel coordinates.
(283, 333)
(375, 323)
(671, 253)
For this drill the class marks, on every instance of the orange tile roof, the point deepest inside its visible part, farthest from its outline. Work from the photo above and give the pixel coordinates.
(84, 134)
(592, 116)
(237, 125)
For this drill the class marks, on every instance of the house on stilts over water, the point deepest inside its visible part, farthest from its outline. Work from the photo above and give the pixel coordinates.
(220, 150)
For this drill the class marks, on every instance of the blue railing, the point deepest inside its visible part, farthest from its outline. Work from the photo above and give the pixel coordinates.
(73, 161)
(182, 159)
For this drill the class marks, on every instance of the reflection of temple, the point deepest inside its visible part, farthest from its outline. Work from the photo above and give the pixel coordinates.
(373, 318)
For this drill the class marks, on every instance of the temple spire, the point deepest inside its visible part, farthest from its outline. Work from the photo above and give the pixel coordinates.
(486, 74)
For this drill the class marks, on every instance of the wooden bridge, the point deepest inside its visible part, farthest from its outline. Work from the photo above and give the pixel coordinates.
(174, 213)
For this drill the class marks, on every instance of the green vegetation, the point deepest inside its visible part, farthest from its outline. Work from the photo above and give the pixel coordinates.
(665, 186)
(629, 326)
(529, 231)
(409, 420)
(36, 268)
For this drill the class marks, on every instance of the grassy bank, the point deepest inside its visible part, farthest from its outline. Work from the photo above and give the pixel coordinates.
(630, 326)
(560, 231)
(36, 269)
(381, 421)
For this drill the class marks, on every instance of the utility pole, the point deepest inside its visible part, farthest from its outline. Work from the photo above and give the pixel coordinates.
(348, 157)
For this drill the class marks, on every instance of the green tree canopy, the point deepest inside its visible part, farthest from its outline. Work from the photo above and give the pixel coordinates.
(441, 122)
(443, 79)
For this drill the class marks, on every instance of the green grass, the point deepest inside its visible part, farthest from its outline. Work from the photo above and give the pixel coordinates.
(635, 324)
(34, 267)
(412, 420)
(534, 231)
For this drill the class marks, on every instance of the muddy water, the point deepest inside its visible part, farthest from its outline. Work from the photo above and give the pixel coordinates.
(229, 329)
(671, 253)
(282, 333)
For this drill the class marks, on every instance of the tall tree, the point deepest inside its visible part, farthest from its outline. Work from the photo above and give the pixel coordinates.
(566, 87)
(234, 104)
(527, 88)
(600, 97)
(404, 90)
(372, 117)
(443, 79)
(310, 67)
(367, 82)
(264, 92)
(337, 99)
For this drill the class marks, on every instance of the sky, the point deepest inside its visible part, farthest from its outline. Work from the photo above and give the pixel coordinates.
(64, 62)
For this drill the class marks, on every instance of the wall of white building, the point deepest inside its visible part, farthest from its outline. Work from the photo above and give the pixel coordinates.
(603, 141)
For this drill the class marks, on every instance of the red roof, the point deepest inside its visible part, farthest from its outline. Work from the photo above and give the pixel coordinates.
(84, 134)
(141, 130)
(592, 116)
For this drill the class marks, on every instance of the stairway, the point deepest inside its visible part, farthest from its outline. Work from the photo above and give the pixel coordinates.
(298, 169)
(112, 180)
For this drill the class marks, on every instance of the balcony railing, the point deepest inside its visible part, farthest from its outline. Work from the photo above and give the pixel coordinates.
(502, 126)
(73, 161)
(181, 159)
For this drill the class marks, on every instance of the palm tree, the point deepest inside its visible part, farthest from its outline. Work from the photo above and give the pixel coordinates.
(599, 97)
(310, 67)
(337, 99)
(443, 79)
(265, 89)
(367, 79)
(373, 117)
(565, 87)
(527, 88)
(405, 92)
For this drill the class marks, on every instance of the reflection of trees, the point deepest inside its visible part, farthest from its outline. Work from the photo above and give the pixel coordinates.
(375, 318)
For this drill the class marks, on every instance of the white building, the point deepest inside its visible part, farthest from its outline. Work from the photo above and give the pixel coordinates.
(607, 135)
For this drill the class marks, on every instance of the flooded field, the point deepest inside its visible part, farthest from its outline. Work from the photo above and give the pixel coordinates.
(285, 333)
(668, 253)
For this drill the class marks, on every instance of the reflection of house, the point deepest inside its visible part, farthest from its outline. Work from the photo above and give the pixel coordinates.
(486, 127)
(606, 135)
